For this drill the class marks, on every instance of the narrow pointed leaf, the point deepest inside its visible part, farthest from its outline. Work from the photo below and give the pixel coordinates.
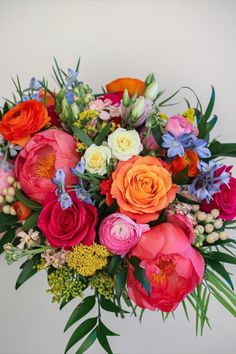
(80, 311)
(88, 342)
(28, 270)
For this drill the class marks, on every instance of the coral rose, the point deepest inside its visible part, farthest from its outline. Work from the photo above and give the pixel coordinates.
(68, 227)
(190, 159)
(23, 120)
(142, 187)
(37, 163)
(119, 233)
(173, 267)
(132, 85)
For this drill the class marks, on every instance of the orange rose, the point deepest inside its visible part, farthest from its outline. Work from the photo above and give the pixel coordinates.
(132, 85)
(142, 187)
(190, 159)
(23, 120)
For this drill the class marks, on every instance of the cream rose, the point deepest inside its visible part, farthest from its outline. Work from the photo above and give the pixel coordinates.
(124, 144)
(96, 159)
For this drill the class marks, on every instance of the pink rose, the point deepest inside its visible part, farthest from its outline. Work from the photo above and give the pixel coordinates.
(225, 200)
(37, 163)
(178, 125)
(69, 227)
(119, 233)
(173, 267)
(4, 173)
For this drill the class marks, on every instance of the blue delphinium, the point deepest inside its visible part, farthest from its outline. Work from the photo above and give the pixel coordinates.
(208, 182)
(80, 191)
(63, 197)
(34, 84)
(173, 145)
(71, 78)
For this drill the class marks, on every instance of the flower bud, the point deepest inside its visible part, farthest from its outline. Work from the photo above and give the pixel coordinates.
(149, 79)
(215, 213)
(10, 179)
(12, 211)
(199, 228)
(210, 238)
(126, 98)
(133, 98)
(209, 228)
(151, 91)
(223, 235)
(218, 224)
(209, 218)
(138, 108)
(4, 191)
(201, 216)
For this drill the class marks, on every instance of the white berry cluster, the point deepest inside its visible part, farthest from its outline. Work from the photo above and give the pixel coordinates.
(7, 196)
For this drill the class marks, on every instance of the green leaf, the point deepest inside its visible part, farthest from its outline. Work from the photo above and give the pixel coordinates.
(103, 340)
(65, 302)
(219, 149)
(157, 134)
(120, 282)
(7, 237)
(185, 309)
(6, 221)
(202, 122)
(186, 200)
(80, 311)
(110, 306)
(114, 264)
(222, 300)
(103, 134)
(83, 329)
(27, 202)
(221, 257)
(31, 222)
(210, 104)
(221, 286)
(106, 330)
(81, 135)
(181, 177)
(88, 342)
(220, 269)
(28, 270)
(140, 274)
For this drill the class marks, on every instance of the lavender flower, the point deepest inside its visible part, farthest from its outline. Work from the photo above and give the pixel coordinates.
(173, 144)
(65, 201)
(209, 180)
(59, 180)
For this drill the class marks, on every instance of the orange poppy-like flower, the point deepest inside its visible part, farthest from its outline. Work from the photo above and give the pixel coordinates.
(190, 159)
(23, 120)
(142, 187)
(132, 85)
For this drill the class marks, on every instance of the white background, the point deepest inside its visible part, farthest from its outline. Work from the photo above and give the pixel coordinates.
(184, 43)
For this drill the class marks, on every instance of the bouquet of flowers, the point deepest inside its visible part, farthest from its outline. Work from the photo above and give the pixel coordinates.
(106, 192)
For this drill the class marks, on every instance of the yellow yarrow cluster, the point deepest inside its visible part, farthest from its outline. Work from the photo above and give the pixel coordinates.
(65, 284)
(104, 284)
(87, 259)
(189, 114)
(81, 147)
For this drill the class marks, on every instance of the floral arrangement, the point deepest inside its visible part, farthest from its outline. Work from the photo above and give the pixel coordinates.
(105, 192)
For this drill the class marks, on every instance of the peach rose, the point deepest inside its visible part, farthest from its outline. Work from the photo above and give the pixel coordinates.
(142, 187)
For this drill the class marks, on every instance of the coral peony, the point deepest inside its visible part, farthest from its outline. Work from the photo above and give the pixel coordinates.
(45, 153)
(173, 267)
(142, 187)
(23, 120)
(69, 227)
(119, 233)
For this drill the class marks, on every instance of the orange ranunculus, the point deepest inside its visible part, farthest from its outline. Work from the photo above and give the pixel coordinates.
(190, 159)
(142, 187)
(22, 121)
(132, 85)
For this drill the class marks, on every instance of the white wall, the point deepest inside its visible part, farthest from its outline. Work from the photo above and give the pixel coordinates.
(184, 43)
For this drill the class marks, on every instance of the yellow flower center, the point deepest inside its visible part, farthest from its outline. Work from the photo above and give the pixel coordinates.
(96, 160)
(125, 142)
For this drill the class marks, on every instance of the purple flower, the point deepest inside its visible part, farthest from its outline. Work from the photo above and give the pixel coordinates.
(208, 182)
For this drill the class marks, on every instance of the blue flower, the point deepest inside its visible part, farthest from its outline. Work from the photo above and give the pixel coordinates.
(201, 150)
(80, 167)
(208, 182)
(65, 201)
(59, 180)
(35, 96)
(13, 149)
(70, 96)
(34, 84)
(71, 77)
(173, 144)
(83, 195)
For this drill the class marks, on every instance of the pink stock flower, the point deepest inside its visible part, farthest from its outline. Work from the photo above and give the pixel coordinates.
(173, 267)
(178, 125)
(119, 233)
(37, 163)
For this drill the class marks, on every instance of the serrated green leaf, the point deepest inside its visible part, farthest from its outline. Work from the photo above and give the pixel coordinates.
(7, 237)
(80, 311)
(31, 222)
(28, 270)
(114, 264)
(88, 342)
(120, 282)
(181, 177)
(27, 202)
(81, 135)
(6, 221)
(103, 134)
(83, 329)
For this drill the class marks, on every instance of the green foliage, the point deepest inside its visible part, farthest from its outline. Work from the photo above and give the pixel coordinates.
(28, 202)
(110, 306)
(7, 221)
(114, 264)
(8, 237)
(140, 274)
(157, 134)
(81, 135)
(120, 282)
(28, 270)
(181, 177)
(31, 222)
(103, 134)
(80, 311)
(186, 200)
(204, 125)
(220, 149)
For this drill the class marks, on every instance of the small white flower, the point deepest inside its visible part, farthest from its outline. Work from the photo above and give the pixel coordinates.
(124, 144)
(96, 159)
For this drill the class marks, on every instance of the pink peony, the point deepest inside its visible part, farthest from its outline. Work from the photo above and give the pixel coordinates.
(69, 227)
(5, 171)
(119, 233)
(173, 267)
(37, 163)
(178, 125)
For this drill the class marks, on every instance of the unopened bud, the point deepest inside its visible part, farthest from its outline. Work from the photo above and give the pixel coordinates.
(138, 108)
(223, 235)
(12, 211)
(201, 216)
(200, 229)
(151, 91)
(126, 98)
(215, 213)
(209, 218)
(209, 228)
(149, 79)
(9, 198)
(4, 191)
(11, 191)
(195, 208)
(210, 238)
(134, 98)
(1, 199)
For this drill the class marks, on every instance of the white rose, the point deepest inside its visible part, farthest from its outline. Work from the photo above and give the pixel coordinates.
(124, 144)
(96, 158)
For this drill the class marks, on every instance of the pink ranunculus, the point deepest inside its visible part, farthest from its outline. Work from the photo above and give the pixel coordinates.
(4, 173)
(225, 200)
(69, 227)
(178, 125)
(119, 233)
(37, 163)
(173, 267)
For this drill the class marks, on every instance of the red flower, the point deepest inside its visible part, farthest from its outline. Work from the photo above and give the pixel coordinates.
(69, 227)
(105, 187)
